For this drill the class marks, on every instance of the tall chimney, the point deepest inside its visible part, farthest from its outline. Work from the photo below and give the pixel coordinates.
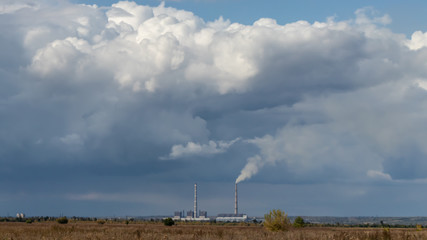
(235, 199)
(195, 201)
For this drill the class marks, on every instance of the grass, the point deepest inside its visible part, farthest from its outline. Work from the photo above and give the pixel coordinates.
(81, 230)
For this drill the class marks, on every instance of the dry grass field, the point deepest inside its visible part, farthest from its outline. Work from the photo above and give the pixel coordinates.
(71, 231)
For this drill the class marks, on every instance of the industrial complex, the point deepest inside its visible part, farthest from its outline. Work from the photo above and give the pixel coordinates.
(195, 215)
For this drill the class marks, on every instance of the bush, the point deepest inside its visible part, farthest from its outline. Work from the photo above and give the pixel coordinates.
(100, 221)
(299, 222)
(277, 220)
(168, 222)
(62, 220)
(386, 234)
(29, 221)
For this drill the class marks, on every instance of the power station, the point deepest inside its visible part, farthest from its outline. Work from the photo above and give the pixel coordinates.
(203, 215)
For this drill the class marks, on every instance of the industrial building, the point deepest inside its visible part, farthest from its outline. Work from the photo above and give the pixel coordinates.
(180, 215)
(194, 215)
(231, 217)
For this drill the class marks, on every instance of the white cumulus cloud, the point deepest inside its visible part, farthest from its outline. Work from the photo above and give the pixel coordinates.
(196, 149)
(418, 40)
(321, 100)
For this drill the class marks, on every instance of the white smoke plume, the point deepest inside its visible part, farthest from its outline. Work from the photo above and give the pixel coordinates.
(251, 168)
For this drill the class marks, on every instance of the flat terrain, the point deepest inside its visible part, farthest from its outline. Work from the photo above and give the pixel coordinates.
(53, 230)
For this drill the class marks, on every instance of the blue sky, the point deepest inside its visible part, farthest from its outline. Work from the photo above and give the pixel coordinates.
(117, 110)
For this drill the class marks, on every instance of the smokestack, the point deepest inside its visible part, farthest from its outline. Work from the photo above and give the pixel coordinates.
(235, 199)
(195, 201)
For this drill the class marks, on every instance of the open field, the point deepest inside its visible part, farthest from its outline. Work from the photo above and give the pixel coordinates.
(51, 230)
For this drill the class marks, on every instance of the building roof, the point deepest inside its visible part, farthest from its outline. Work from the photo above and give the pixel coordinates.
(230, 215)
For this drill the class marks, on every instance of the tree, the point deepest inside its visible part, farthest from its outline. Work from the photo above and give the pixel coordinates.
(168, 221)
(276, 220)
(299, 222)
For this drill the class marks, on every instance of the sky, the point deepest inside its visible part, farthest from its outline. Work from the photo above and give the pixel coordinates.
(111, 108)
